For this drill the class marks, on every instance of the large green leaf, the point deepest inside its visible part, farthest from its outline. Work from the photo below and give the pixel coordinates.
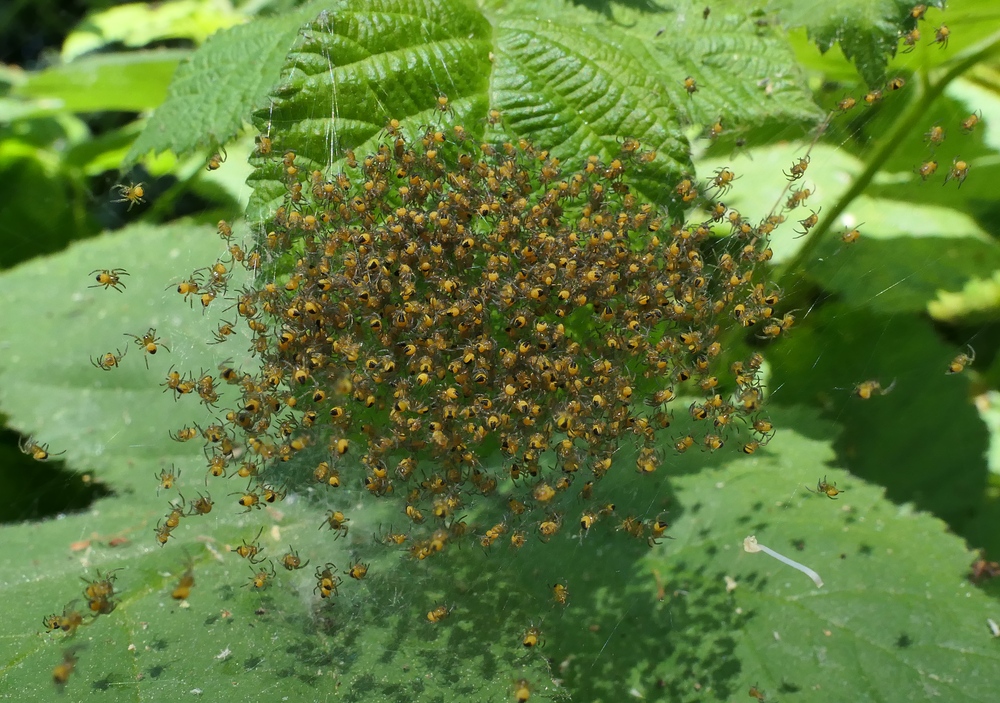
(280, 643)
(36, 213)
(109, 422)
(213, 92)
(743, 67)
(894, 620)
(923, 440)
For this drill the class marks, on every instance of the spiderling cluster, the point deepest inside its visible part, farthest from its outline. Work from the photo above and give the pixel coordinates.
(440, 299)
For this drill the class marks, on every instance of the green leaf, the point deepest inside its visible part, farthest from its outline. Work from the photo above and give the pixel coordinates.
(907, 252)
(868, 32)
(137, 24)
(699, 619)
(108, 421)
(895, 619)
(577, 92)
(745, 69)
(102, 153)
(926, 424)
(283, 642)
(356, 68)
(132, 81)
(213, 92)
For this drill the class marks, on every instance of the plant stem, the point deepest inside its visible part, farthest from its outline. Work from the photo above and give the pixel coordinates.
(900, 129)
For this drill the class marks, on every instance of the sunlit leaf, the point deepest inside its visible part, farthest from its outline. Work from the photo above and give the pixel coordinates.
(137, 24)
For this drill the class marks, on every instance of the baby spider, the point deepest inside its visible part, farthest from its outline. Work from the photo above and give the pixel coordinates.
(335, 521)
(533, 637)
(439, 613)
(808, 223)
(970, 122)
(132, 194)
(222, 334)
(38, 452)
(251, 551)
(798, 169)
(830, 490)
(959, 363)
(927, 169)
(358, 571)
(216, 160)
(934, 136)
(866, 389)
(797, 197)
(261, 579)
(183, 588)
(850, 236)
(846, 104)
(108, 361)
(109, 278)
(292, 561)
(959, 171)
(166, 477)
(723, 180)
(941, 35)
(149, 342)
(658, 528)
(910, 40)
(326, 581)
(63, 670)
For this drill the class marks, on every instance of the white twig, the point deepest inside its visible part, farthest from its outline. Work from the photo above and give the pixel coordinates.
(750, 545)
